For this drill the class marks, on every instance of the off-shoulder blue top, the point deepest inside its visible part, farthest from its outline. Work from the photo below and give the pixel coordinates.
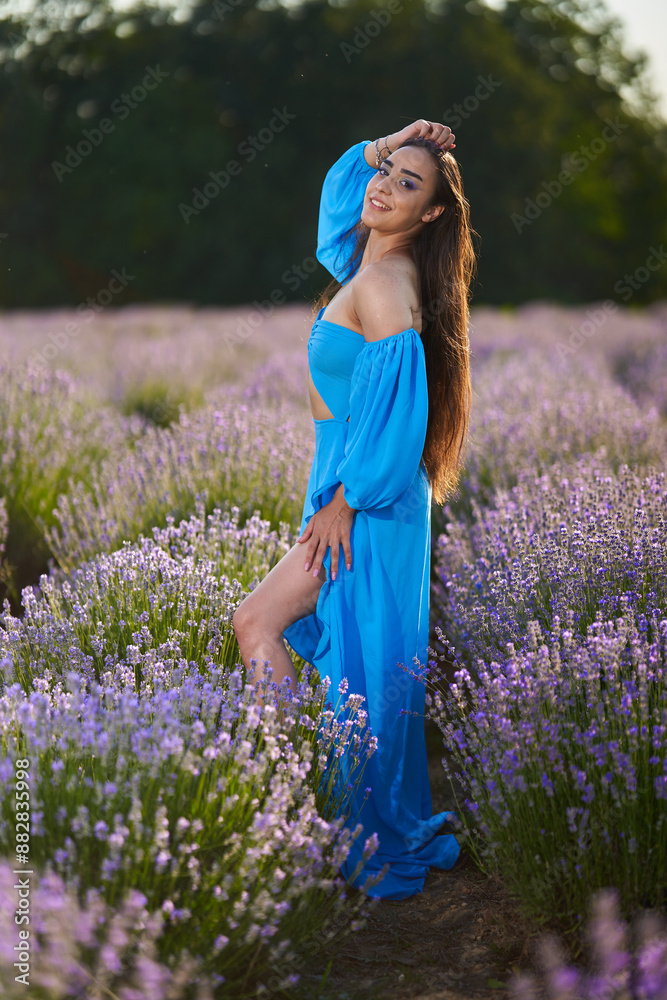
(375, 616)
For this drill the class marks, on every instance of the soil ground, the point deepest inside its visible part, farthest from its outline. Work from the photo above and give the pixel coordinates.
(460, 939)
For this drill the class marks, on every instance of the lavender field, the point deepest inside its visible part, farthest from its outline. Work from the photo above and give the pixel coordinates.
(184, 839)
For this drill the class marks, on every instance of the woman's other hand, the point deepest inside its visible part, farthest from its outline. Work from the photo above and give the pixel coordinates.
(329, 527)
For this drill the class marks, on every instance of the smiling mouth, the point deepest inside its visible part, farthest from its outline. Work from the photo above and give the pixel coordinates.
(379, 205)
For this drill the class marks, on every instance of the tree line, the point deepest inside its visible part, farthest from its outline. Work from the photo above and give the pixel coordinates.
(190, 153)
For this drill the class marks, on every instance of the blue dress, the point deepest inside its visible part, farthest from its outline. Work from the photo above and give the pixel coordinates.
(375, 615)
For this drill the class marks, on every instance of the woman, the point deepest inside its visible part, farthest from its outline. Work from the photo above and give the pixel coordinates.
(389, 386)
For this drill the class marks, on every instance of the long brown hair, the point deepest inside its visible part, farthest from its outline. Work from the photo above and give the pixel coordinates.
(445, 257)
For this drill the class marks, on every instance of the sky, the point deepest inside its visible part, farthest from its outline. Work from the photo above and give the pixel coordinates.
(645, 27)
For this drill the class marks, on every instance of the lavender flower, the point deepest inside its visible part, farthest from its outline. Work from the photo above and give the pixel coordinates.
(616, 972)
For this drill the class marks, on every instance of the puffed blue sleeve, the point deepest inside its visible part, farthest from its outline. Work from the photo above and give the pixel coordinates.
(340, 208)
(388, 420)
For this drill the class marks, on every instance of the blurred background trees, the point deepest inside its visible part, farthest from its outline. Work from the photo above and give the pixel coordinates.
(536, 86)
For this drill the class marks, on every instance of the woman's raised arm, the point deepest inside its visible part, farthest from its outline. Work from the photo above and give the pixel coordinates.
(344, 187)
(441, 134)
(341, 203)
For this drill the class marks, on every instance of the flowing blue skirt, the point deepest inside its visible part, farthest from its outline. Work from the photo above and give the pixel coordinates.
(367, 621)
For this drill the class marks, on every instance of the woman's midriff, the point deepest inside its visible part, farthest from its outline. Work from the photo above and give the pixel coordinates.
(318, 407)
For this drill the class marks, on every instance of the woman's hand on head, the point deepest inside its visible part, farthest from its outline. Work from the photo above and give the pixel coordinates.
(329, 527)
(423, 129)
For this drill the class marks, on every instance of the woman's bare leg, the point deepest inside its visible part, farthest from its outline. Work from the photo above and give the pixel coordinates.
(285, 594)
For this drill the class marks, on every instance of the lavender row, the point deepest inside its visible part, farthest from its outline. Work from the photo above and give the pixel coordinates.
(561, 748)
(550, 590)
(152, 358)
(153, 765)
(232, 450)
(580, 539)
(170, 596)
(205, 801)
(531, 410)
(78, 478)
(175, 354)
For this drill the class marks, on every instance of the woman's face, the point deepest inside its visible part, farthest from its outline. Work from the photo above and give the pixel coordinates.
(398, 196)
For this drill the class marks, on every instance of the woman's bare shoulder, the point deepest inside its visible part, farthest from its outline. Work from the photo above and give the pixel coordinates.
(385, 297)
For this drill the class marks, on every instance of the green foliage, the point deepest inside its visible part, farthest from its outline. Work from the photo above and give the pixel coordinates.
(156, 401)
